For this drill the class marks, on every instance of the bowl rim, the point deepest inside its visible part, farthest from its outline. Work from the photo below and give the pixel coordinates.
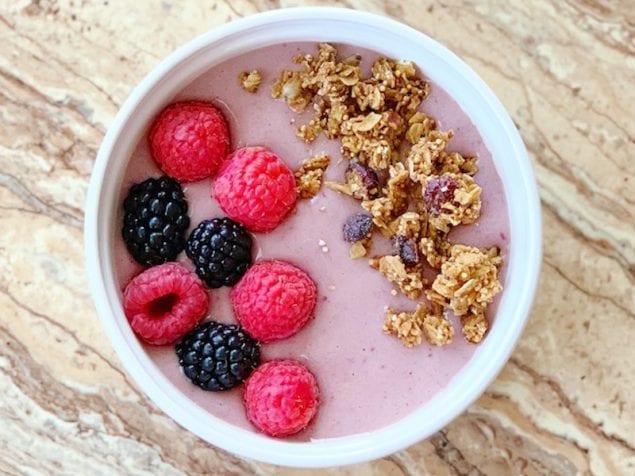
(358, 447)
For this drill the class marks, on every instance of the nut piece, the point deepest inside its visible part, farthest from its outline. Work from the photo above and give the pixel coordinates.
(359, 249)
(309, 176)
(250, 81)
(468, 281)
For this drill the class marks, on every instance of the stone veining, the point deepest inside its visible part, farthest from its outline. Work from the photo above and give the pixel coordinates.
(563, 404)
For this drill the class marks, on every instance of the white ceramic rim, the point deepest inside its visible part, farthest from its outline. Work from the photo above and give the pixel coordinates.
(387, 37)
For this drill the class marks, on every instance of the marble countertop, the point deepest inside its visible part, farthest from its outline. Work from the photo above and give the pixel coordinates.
(564, 404)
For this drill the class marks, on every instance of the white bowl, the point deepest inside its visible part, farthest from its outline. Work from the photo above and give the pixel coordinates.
(389, 38)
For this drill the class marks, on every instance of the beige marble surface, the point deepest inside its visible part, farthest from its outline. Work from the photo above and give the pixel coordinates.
(564, 404)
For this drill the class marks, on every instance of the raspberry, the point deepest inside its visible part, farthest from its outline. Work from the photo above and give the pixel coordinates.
(217, 356)
(281, 397)
(255, 188)
(274, 300)
(155, 221)
(189, 140)
(357, 227)
(164, 302)
(438, 192)
(221, 251)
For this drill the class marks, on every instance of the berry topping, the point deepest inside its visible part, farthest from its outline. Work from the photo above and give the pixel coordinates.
(363, 181)
(220, 250)
(357, 227)
(217, 356)
(281, 397)
(255, 188)
(189, 140)
(274, 300)
(438, 192)
(407, 250)
(155, 221)
(164, 302)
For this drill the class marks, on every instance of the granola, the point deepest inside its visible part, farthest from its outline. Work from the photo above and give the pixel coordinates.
(435, 247)
(451, 200)
(362, 182)
(372, 138)
(419, 125)
(425, 158)
(414, 188)
(394, 200)
(250, 80)
(383, 210)
(310, 175)
(428, 156)
(405, 232)
(408, 225)
(468, 280)
(410, 282)
(474, 327)
(411, 327)
(405, 326)
(437, 329)
(369, 115)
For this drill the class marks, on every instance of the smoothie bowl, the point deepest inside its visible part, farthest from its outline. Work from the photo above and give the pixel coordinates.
(313, 236)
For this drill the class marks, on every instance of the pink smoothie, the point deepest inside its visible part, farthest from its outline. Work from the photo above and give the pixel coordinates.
(367, 379)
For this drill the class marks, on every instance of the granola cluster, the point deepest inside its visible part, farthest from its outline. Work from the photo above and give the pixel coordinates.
(410, 184)
(451, 200)
(410, 282)
(309, 176)
(370, 115)
(467, 283)
(411, 327)
(250, 80)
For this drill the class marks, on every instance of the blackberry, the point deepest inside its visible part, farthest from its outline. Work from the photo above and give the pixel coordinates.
(217, 356)
(220, 249)
(155, 221)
